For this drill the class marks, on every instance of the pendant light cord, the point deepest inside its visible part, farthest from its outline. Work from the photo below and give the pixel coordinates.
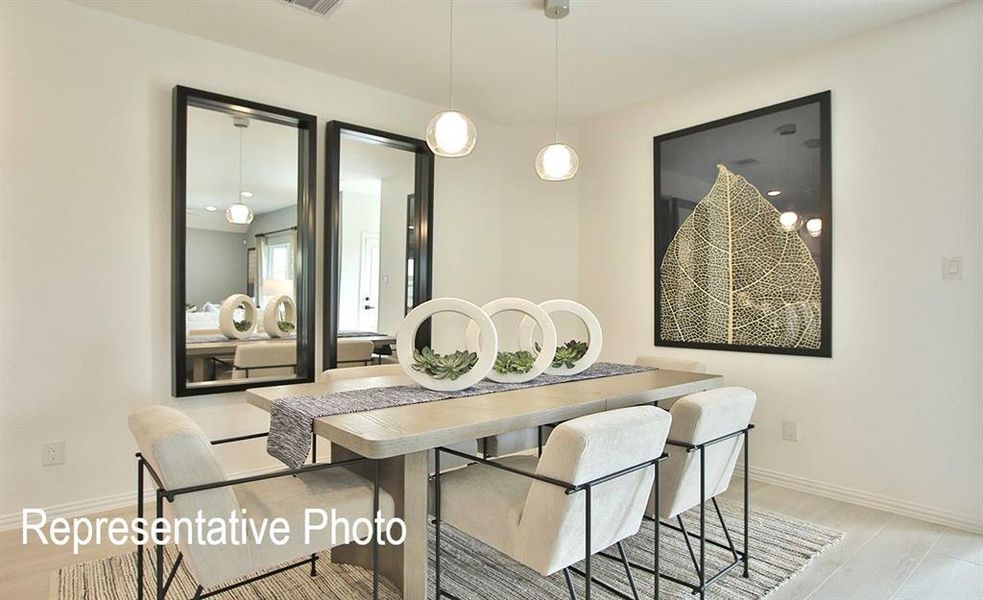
(556, 81)
(450, 77)
(241, 132)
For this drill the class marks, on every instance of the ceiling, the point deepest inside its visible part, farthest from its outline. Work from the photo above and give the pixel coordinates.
(613, 53)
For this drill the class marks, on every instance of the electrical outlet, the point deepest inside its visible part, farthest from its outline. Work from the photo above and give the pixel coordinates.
(790, 431)
(53, 453)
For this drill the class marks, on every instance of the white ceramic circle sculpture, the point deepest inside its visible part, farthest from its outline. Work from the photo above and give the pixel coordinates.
(538, 316)
(487, 348)
(271, 316)
(226, 323)
(595, 339)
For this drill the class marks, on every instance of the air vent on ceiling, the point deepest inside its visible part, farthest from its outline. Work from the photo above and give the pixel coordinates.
(321, 7)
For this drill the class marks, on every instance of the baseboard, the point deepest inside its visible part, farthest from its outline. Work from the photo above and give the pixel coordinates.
(97, 505)
(868, 499)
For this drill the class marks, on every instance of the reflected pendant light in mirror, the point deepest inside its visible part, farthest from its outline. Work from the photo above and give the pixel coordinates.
(451, 133)
(238, 213)
(556, 161)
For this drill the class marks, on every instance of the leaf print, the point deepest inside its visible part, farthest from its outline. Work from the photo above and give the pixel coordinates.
(733, 275)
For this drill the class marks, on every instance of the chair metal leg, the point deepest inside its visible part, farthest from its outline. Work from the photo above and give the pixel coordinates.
(539, 437)
(573, 592)
(313, 565)
(723, 526)
(313, 445)
(141, 548)
(587, 557)
(747, 556)
(657, 533)
(375, 530)
(436, 513)
(703, 521)
(631, 579)
(159, 550)
(692, 554)
(198, 593)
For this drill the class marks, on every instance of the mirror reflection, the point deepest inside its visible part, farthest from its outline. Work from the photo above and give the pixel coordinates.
(242, 254)
(377, 237)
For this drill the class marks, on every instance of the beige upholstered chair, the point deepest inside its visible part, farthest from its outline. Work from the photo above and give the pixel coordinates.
(178, 456)
(354, 352)
(587, 492)
(360, 372)
(264, 359)
(341, 374)
(708, 431)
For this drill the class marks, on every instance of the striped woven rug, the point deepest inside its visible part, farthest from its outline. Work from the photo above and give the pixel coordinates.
(781, 547)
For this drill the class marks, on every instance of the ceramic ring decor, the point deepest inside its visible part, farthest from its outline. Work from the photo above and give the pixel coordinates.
(595, 338)
(532, 311)
(487, 343)
(226, 322)
(272, 320)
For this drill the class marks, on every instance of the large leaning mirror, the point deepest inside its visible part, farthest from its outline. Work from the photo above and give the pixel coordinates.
(379, 223)
(243, 236)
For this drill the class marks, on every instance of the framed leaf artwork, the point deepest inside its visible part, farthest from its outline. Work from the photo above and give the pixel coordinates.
(743, 232)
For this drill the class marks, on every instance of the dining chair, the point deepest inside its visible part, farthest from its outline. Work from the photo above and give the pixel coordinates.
(587, 491)
(264, 359)
(705, 440)
(342, 374)
(188, 479)
(354, 352)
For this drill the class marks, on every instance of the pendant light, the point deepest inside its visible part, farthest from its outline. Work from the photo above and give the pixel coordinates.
(238, 213)
(556, 161)
(451, 133)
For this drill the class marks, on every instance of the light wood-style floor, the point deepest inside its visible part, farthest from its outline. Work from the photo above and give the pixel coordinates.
(882, 555)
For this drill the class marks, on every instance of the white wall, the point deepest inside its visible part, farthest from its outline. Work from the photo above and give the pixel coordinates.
(895, 415)
(359, 215)
(392, 246)
(216, 265)
(86, 148)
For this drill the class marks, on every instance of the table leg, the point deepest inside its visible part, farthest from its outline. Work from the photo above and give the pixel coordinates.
(405, 478)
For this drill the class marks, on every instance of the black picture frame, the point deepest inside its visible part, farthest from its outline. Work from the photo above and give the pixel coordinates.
(667, 209)
(185, 97)
(423, 225)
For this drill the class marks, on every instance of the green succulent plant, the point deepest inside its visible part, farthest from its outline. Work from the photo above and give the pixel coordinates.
(243, 325)
(514, 362)
(443, 366)
(568, 354)
(285, 326)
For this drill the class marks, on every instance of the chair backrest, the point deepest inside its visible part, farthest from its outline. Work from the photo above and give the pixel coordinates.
(671, 364)
(551, 529)
(265, 359)
(355, 350)
(699, 418)
(342, 373)
(182, 456)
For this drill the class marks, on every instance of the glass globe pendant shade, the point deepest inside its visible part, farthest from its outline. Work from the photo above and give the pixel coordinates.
(451, 134)
(814, 227)
(239, 214)
(789, 221)
(557, 162)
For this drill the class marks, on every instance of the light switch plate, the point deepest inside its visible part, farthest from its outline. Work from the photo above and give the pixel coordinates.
(790, 431)
(952, 267)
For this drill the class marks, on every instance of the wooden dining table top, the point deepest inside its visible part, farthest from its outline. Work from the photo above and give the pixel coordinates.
(399, 430)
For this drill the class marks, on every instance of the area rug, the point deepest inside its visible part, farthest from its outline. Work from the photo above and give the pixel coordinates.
(781, 547)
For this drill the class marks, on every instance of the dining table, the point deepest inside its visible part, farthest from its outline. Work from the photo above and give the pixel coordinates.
(401, 436)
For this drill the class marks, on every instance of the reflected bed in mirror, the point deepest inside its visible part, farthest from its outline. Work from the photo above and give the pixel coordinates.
(379, 189)
(243, 244)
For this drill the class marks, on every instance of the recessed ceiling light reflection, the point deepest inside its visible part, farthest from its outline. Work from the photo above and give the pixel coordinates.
(774, 193)
(211, 208)
(246, 194)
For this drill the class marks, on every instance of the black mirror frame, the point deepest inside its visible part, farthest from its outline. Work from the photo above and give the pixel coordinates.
(306, 229)
(423, 256)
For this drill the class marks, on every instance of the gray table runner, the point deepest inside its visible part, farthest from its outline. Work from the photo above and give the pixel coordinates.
(291, 419)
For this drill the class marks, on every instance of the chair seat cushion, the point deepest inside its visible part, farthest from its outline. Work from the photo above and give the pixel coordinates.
(485, 502)
(289, 497)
